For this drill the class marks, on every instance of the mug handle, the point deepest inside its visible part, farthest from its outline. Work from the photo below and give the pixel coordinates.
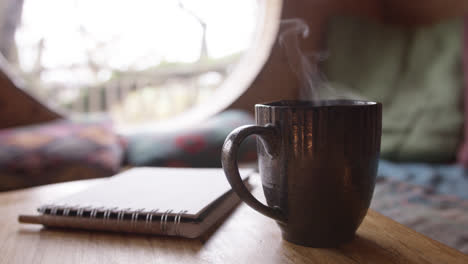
(269, 137)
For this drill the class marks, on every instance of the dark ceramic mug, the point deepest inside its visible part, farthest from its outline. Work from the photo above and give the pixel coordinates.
(318, 163)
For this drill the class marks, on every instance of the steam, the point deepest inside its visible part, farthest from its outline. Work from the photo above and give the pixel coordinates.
(313, 84)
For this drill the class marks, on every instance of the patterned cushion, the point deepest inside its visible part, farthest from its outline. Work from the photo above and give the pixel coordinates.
(445, 179)
(429, 198)
(195, 147)
(57, 151)
(440, 217)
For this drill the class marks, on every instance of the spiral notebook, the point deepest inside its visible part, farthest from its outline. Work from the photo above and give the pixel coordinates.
(163, 201)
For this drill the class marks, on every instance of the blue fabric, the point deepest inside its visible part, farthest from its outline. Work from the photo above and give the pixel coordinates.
(441, 179)
(199, 146)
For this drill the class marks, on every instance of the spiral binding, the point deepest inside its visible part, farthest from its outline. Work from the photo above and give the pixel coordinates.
(149, 218)
(134, 220)
(107, 213)
(94, 212)
(163, 223)
(66, 211)
(80, 211)
(177, 222)
(119, 214)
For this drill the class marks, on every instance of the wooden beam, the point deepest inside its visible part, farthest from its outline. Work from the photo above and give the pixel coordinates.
(17, 107)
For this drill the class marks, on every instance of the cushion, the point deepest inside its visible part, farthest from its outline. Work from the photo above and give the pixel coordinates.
(415, 72)
(194, 147)
(438, 216)
(443, 179)
(57, 151)
(431, 199)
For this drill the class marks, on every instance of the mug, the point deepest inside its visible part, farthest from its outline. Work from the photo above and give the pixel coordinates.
(318, 164)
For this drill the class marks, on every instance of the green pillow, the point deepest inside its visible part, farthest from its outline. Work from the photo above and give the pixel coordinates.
(415, 72)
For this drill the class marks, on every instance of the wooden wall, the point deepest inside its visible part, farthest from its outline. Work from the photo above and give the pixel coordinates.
(18, 108)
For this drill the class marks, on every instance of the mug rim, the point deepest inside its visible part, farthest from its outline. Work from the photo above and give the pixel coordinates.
(318, 103)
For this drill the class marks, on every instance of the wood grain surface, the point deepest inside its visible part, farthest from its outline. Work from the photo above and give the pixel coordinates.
(244, 237)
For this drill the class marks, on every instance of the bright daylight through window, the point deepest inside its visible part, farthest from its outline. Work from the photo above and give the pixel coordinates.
(138, 61)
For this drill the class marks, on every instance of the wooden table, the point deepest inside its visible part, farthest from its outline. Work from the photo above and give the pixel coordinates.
(245, 237)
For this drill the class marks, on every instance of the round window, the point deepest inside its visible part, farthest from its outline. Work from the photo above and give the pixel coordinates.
(142, 63)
